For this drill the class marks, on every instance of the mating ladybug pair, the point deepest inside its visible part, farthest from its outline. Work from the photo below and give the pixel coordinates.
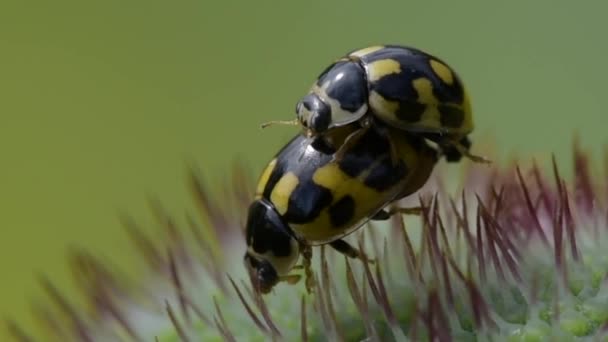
(376, 121)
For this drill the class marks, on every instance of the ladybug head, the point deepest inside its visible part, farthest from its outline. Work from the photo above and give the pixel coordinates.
(272, 251)
(313, 113)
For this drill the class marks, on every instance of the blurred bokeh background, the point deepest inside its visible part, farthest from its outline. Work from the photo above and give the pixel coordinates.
(103, 104)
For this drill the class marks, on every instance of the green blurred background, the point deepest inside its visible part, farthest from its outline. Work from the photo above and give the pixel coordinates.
(103, 103)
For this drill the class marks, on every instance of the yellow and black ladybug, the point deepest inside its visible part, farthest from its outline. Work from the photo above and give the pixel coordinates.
(399, 86)
(306, 197)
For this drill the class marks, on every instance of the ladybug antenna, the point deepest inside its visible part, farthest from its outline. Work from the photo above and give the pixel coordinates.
(293, 122)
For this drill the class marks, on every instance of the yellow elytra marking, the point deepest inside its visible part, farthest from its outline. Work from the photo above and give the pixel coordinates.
(381, 68)
(282, 192)
(384, 109)
(424, 88)
(365, 51)
(381, 105)
(264, 178)
(330, 175)
(442, 71)
(366, 200)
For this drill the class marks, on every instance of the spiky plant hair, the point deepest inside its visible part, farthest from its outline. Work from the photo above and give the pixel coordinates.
(512, 254)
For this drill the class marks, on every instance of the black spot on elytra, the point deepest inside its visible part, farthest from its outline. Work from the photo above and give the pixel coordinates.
(352, 165)
(450, 116)
(409, 111)
(363, 153)
(445, 93)
(342, 211)
(414, 64)
(397, 87)
(297, 157)
(385, 175)
(306, 202)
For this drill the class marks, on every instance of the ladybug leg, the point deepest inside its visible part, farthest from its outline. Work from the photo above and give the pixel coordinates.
(465, 152)
(350, 142)
(394, 154)
(383, 131)
(406, 211)
(384, 214)
(455, 150)
(291, 278)
(307, 265)
(293, 122)
(350, 251)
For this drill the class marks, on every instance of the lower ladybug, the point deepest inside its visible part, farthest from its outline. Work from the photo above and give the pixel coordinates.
(305, 197)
